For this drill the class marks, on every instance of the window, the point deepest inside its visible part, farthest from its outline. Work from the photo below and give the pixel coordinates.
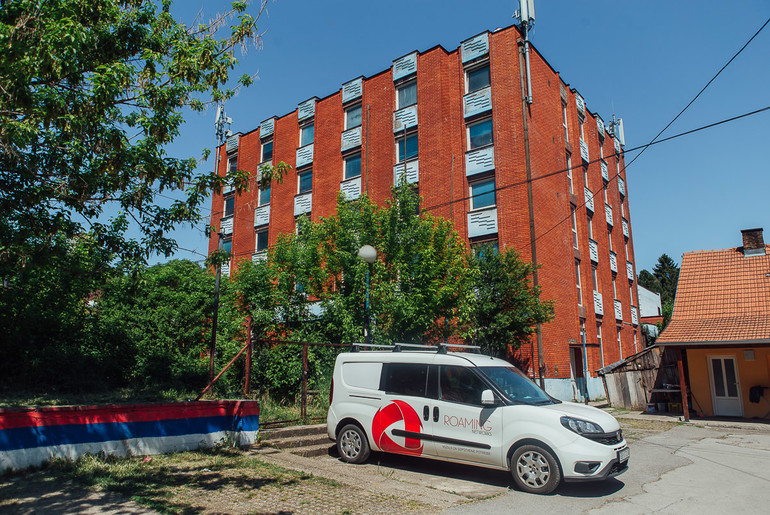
(577, 279)
(620, 345)
(410, 142)
(353, 166)
(261, 241)
(581, 122)
(480, 134)
(406, 95)
(573, 221)
(482, 194)
(599, 340)
(601, 151)
(404, 378)
(227, 245)
(622, 210)
(460, 384)
(306, 135)
(606, 198)
(264, 195)
(585, 176)
(590, 227)
(614, 290)
(582, 331)
(232, 164)
(625, 246)
(564, 121)
(267, 151)
(569, 174)
(477, 79)
(609, 237)
(635, 343)
(482, 249)
(353, 117)
(229, 205)
(631, 293)
(305, 181)
(595, 278)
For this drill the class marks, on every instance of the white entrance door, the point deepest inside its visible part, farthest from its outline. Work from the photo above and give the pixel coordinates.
(725, 387)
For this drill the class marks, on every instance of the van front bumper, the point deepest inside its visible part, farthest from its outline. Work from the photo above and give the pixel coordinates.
(613, 468)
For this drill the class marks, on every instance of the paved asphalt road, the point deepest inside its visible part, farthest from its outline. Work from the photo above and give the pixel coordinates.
(688, 469)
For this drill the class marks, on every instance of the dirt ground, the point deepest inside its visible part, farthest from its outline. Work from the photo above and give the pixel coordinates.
(199, 487)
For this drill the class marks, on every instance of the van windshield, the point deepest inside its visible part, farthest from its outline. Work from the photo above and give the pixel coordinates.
(518, 387)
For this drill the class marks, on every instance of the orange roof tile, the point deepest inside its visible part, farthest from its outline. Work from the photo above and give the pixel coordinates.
(722, 296)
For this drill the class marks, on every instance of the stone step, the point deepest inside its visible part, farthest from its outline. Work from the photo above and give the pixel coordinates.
(298, 441)
(293, 431)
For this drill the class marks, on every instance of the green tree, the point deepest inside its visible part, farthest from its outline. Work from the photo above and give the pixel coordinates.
(507, 308)
(91, 94)
(663, 279)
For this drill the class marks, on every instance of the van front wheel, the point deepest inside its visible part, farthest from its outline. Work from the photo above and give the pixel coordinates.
(352, 444)
(535, 470)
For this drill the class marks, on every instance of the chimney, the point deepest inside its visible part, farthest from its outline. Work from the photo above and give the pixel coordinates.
(753, 242)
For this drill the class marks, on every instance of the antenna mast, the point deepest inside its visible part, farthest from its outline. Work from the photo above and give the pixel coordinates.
(526, 16)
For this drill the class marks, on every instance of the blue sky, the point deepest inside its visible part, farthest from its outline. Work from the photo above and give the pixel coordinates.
(643, 61)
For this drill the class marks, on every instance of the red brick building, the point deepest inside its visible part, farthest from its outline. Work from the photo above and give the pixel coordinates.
(453, 123)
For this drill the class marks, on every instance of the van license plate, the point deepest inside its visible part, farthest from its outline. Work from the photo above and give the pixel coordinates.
(624, 454)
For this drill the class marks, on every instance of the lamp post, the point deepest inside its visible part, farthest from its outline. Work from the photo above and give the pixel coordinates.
(368, 254)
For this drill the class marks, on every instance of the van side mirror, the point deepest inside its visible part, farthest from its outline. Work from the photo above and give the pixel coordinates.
(487, 398)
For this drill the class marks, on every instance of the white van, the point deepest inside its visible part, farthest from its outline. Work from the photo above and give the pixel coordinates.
(468, 408)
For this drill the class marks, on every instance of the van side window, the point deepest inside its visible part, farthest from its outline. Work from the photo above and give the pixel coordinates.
(404, 378)
(460, 384)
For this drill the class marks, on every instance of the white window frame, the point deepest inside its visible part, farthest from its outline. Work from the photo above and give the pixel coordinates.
(299, 180)
(345, 161)
(403, 86)
(564, 121)
(573, 221)
(614, 289)
(474, 124)
(259, 196)
(232, 163)
(226, 199)
(350, 109)
(585, 176)
(468, 78)
(399, 139)
(609, 237)
(262, 150)
(569, 173)
(599, 339)
(595, 278)
(302, 130)
(256, 241)
(579, 286)
(472, 196)
(589, 223)
(620, 343)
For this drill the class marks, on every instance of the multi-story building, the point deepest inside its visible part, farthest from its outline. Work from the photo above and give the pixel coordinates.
(458, 125)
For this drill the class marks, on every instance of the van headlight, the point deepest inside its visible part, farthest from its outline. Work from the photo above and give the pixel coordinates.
(581, 427)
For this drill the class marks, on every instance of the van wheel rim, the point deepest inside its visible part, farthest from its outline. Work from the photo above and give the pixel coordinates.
(532, 468)
(351, 444)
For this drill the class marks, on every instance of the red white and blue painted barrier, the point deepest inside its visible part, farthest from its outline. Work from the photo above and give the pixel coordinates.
(30, 437)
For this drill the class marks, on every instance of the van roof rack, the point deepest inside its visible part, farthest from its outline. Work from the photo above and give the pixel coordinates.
(440, 348)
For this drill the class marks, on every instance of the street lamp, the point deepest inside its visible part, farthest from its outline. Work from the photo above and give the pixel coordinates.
(368, 254)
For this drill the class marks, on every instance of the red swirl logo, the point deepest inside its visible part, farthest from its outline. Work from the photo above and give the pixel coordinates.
(396, 413)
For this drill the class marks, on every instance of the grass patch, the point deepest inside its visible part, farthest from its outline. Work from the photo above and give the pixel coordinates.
(33, 398)
(180, 482)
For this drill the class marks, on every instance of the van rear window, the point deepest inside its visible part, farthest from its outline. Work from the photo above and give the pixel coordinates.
(362, 375)
(404, 378)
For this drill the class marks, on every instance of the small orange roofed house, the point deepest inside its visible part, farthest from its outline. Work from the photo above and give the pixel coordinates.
(721, 325)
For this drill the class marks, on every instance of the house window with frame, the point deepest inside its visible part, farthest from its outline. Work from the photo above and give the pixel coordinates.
(482, 194)
(264, 196)
(631, 293)
(480, 134)
(569, 174)
(585, 176)
(573, 221)
(406, 95)
(229, 205)
(581, 123)
(410, 143)
(353, 117)
(564, 121)
(305, 181)
(594, 278)
(577, 281)
(306, 134)
(590, 225)
(614, 289)
(483, 248)
(232, 164)
(227, 245)
(620, 345)
(353, 166)
(261, 241)
(599, 340)
(609, 237)
(477, 78)
(267, 151)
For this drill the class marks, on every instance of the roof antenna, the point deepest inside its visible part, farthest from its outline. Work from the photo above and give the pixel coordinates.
(526, 16)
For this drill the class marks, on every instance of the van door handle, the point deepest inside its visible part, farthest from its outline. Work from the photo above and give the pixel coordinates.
(435, 414)
(425, 413)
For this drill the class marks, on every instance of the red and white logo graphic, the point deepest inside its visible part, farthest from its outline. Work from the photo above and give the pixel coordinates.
(397, 415)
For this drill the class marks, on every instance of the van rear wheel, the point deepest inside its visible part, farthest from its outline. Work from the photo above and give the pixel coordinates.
(535, 470)
(352, 444)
